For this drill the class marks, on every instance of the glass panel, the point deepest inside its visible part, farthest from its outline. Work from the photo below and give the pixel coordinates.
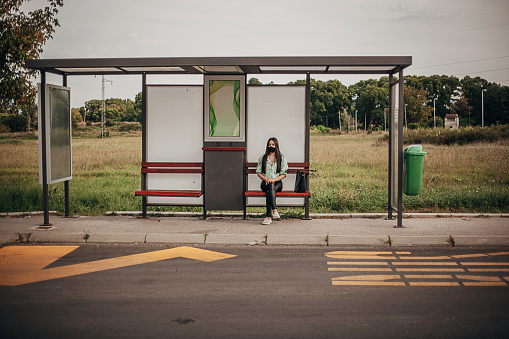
(60, 134)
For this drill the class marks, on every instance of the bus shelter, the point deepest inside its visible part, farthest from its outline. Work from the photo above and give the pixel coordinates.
(202, 121)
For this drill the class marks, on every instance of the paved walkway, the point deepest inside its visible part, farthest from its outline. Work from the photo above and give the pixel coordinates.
(323, 229)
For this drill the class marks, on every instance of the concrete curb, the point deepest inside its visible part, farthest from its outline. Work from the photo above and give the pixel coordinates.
(236, 239)
(281, 239)
(312, 215)
(175, 238)
(255, 239)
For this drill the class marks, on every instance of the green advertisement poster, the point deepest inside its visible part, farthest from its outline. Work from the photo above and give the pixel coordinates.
(224, 108)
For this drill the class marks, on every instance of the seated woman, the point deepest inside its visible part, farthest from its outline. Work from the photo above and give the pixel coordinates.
(271, 169)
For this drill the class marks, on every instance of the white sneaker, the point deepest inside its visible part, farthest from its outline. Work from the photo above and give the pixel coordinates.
(276, 215)
(266, 221)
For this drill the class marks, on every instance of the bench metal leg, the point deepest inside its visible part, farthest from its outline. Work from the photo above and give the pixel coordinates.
(306, 209)
(144, 207)
(204, 213)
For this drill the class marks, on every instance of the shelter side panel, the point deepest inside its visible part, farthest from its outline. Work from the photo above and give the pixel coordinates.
(276, 111)
(174, 134)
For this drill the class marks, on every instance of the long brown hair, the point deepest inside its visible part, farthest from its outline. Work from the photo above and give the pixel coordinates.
(278, 155)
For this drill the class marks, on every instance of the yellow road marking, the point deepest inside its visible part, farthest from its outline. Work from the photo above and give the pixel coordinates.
(437, 264)
(433, 283)
(499, 253)
(485, 263)
(469, 256)
(370, 277)
(25, 264)
(377, 254)
(478, 277)
(360, 269)
(423, 276)
(432, 263)
(368, 283)
(400, 269)
(357, 263)
(361, 257)
(425, 258)
(467, 283)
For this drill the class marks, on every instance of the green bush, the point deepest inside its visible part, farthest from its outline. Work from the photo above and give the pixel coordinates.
(16, 123)
(322, 129)
(129, 127)
(461, 136)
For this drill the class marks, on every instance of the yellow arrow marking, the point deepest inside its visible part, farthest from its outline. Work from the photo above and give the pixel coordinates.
(24, 265)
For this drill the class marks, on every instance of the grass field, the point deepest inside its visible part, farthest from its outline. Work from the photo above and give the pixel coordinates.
(351, 176)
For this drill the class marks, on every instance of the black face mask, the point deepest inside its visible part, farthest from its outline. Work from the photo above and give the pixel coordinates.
(272, 149)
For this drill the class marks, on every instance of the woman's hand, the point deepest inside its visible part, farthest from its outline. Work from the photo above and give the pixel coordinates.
(270, 180)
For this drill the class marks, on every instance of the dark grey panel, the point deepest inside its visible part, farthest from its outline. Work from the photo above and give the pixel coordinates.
(224, 180)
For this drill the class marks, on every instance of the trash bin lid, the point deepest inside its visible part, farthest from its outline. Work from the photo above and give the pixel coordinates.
(414, 150)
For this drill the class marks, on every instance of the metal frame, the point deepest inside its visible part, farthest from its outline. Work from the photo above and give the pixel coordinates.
(323, 65)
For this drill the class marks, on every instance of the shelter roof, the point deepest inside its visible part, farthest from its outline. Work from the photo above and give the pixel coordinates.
(225, 65)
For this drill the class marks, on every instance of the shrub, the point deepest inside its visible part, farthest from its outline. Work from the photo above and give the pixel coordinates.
(322, 129)
(4, 129)
(16, 123)
(461, 136)
(129, 127)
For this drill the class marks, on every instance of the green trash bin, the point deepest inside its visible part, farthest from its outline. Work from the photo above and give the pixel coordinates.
(413, 169)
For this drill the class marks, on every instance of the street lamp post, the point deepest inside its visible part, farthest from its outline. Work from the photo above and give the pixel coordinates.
(434, 116)
(406, 121)
(482, 101)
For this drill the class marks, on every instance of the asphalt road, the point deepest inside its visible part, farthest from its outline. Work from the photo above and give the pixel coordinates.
(260, 291)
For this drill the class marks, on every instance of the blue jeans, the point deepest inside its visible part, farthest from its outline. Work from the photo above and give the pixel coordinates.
(270, 195)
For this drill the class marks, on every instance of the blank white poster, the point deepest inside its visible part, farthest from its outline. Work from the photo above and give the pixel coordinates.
(174, 134)
(276, 111)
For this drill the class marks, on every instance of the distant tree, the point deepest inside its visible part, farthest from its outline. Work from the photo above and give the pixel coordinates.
(415, 101)
(22, 37)
(254, 81)
(370, 98)
(463, 109)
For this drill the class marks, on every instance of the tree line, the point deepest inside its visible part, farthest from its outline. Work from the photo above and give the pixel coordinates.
(334, 104)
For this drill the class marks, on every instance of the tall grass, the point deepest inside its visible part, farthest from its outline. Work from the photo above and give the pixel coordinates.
(351, 176)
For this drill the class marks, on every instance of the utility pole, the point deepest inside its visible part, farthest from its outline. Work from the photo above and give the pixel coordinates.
(339, 120)
(434, 115)
(385, 121)
(482, 99)
(103, 114)
(355, 120)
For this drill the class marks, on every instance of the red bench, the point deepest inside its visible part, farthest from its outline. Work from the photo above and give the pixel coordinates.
(169, 167)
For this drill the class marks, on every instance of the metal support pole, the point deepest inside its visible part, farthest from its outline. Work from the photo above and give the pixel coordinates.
(66, 183)
(400, 152)
(391, 125)
(307, 139)
(42, 130)
(144, 139)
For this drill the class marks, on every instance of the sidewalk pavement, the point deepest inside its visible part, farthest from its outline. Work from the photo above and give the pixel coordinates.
(229, 228)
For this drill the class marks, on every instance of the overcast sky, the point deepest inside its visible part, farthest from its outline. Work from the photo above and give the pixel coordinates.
(451, 37)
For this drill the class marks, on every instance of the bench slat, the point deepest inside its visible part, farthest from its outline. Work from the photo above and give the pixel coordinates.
(290, 164)
(171, 164)
(279, 194)
(168, 193)
(291, 170)
(171, 170)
